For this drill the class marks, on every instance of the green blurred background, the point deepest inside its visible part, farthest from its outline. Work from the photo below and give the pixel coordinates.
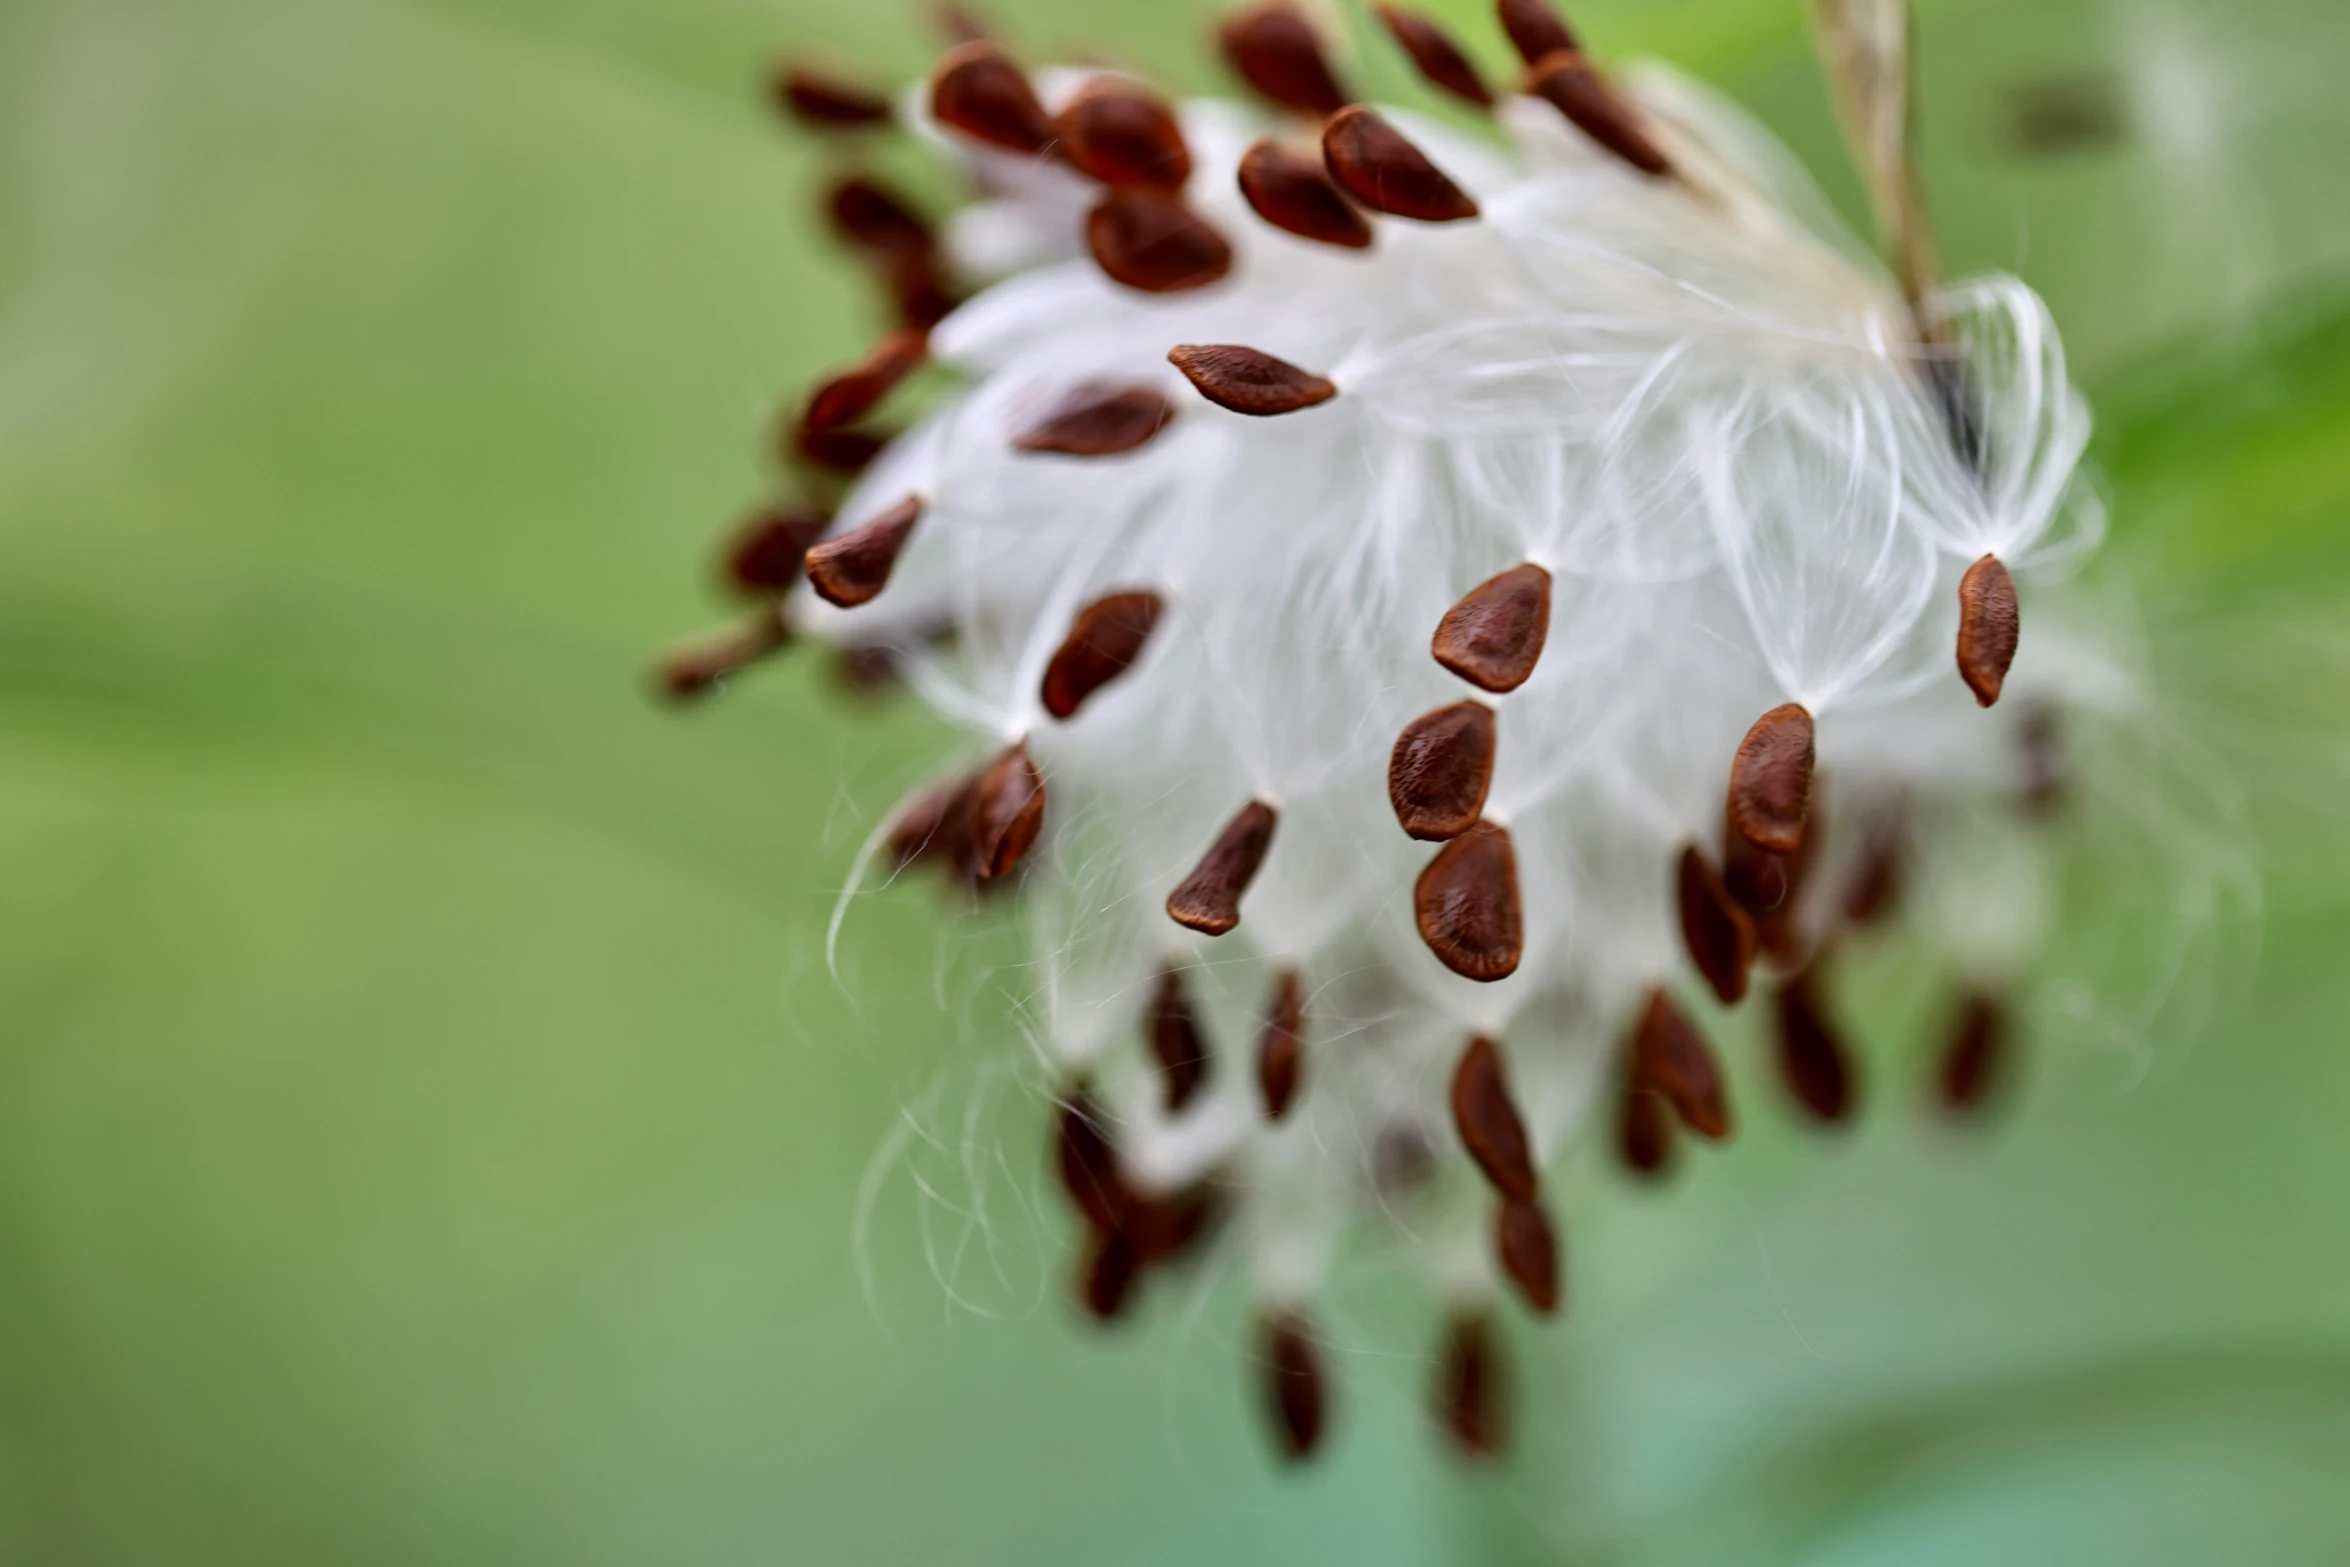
(428, 1133)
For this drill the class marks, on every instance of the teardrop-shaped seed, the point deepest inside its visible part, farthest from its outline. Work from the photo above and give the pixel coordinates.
(1294, 192)
(1528, 1248)
(1718, 933)
(762, 559)
(1149, 241)
(1435, 55)
(1467, 905)
(1812, 1058)
(1672, 1058)
(695, 670)
(935, 827)
(1567, 82)
(977, 90)
(1472, 1391)
(1974, 1061)
(853, 567)
(1168, 1230)
(1274, 49)
(1176, 1042)
(1209, 899)
(1281, 1047)
(1099, 420)
(1770, 782)
(1769, 887)
(822, 101)
(1119, 132)
(1378, 166)
(1875, 888)
(1247, 381)
(1536, 29)
(1088, 1161)
(1494, 636)
(1007, 813)
(858, 390)
(844, 452)
(917, 284)
(1488, 1121)
(1988, 627)
(1296, 1394)
(1440, 771)
(873, 217)
(1644, 1132)
(1108, 1271)
(1104, 642)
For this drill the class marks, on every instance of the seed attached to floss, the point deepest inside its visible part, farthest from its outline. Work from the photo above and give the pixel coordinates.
(1274, 49)
(1296, 1395)
(1527, 1246)
(824, 102)
(935, 827)
(1536, 30)
(1812, 1058)
(1472, 1387)
(1974, 1061)
(1104, 642)
(1494, 637)
(1099, 420)
(1434, 55)
(1644, 1131)
(1718, 933)
(1149, 241)
(1466, 904)
(977, 90)
(1440, 771)
(852, 568)
(1119, 132)
(762, 560)
(1007, 813)
(1088, 1161)
(1567, 82)
(1209, 899)
(1281, 1047)
(1293, 192)
(1672, 1057)
(1988, 628)
(1770, 782)
(1246, 381)
(857, 391)
(1176, 1042)
(1488, 1122)
(1378, 166)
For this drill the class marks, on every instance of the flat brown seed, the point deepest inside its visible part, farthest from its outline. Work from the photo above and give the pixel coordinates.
(1536, 29)
(1875, 889)
(1176, 1042)
(1104, 642)
(1007, 813)
(1812, 1059)
(1296, 1395)
(1099, 420)
(1274, 49)
(1467, 905)
(1281, 1048)
(1209, 899)
(868, 669)
(1248, 382)
(843, 452)
(1293, 192)
(1149, 241)
(1108, 1271)
(1088, 1161)
(1487, 1119)
(1567, 82)
(1435, 55)
(977, 90)
(1528, 1248)
(1987, 628)
(873, 217)
(1378, 166)
(935, 827)
(1119, 132)
(1769, 887)
(1974, 1061)
(858, 390)
(1718, 933)
(1770, 782)
(1671, 1057)
(695, 670)
(1440, 771)
(1168, 1230)
(762, 559)
(1644, 1133)
(852, 568)
(821, 101)
(1494, 637)
(1472, 1387)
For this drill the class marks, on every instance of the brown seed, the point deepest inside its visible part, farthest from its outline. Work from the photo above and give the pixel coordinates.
(1876, 885)
(1974, 1061)
(1812, 1057)
(1007, 812)
(1719, 935)
(1292, 191)
(1440, 770)
(1167, 1230)
(1209, 899)
(1467, 905)
(1110, 1266)
(917, 285)
(1644, 1132)
(1567, 82)
(1281, 1047)
(873, 217)
(1088, 1161)
(1528, 1246)
(1248, 382)
(844, 452)
(1770, 782)
(1472, 1387)
(1493, 638)
(762, 559)
(853, 567)
(1119, 132)
(858, 390)
(1104, 642)
(1149, 241)
(934, 828)
(824, 102)
(1274, 49)
(1435, 55)
(1176, 1042)
(1769, 887)
(1098, 420)
(867, 669)
(693, 671)
(1987, 628)
(1487, 1119)
(977, 90)
(1536, 30)
(1671, 1057)
(1378, 166)
(1295, 1394)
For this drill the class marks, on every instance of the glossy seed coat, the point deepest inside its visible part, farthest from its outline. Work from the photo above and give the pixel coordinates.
(1486, 1116)
(1466, 905)
(1208, 901)
(1099, 420)
(1007, 813)
(1292, 191)
(1535, 28)
(1770, 781)
(1494, 636)
(1247, 381)
(1526, 1245)
(1378, 166)
(1274, 49)
(977, 90)
(1988, 628)
(853, 567)
(1104, 642)
(1440, 771)
(1434, 55)
(1176, 1042)
(1671, 1057)
(1119, 132)
(1281, 1047)
(1718, 933)
(1567, 82)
